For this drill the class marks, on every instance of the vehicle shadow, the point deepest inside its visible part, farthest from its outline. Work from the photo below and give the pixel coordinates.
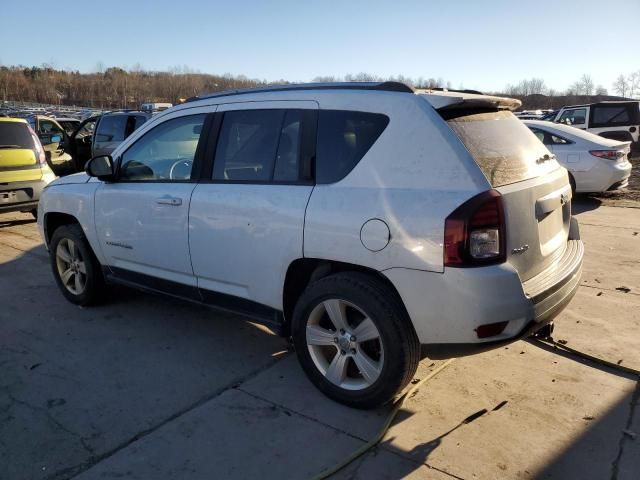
(582, 203)
(77, 383)
(15, 222)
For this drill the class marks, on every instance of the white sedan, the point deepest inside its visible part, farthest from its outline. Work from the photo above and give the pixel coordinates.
(595, 164)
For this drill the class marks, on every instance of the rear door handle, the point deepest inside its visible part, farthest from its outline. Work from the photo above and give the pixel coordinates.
(169, 200)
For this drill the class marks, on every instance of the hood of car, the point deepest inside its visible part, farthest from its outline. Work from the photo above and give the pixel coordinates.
(72, 179)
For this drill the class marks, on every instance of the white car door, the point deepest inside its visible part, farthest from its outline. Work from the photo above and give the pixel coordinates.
(247, 217)
(142, 217)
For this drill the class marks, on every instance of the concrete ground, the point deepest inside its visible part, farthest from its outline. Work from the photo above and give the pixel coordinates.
(150, 388)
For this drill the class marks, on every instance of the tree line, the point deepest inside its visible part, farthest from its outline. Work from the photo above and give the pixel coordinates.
(114, 87)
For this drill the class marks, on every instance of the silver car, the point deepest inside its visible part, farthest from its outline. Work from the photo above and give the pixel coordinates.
(369, 223)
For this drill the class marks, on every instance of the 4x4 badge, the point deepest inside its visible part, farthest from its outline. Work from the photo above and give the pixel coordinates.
(521, 249)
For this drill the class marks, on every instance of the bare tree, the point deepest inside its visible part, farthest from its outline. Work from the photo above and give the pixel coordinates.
(600, 90)
(633, 81)
(587, 84)
(621, 86)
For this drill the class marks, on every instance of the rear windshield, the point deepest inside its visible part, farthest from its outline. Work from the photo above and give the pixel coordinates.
(15, 133)
(503, 147)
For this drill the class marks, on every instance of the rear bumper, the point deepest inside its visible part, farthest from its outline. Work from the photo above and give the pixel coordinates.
(20, 196)
(604, 176)
(447, 316)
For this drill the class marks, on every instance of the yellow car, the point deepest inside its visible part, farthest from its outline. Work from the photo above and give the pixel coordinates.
(23, 167)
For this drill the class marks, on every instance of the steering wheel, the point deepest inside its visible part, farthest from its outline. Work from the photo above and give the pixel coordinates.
(184, 163)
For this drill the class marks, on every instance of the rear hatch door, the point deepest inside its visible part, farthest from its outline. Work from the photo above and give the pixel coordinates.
(535, 188)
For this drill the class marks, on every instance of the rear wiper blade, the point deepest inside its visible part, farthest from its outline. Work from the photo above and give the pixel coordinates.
(546, 157)
(11, 146)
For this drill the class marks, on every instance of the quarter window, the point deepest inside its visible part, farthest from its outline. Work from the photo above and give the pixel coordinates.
(344, 137)
(610, 115)
(576, 116)
(166, 152)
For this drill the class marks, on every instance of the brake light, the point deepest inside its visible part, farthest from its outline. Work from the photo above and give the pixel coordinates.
(474, 234)
(608, 154)
(37, 147)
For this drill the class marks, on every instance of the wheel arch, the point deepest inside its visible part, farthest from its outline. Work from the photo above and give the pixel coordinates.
(302, 271)
(54, 220)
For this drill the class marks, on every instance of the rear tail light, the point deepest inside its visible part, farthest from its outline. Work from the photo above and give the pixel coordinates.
(37, 147)
(608, 154)
(474, 234)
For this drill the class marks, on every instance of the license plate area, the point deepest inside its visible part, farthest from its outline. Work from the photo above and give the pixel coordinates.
(8, 197)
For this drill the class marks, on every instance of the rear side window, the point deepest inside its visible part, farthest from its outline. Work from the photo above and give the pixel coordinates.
(112, 128)
(503, 147)
(611, 115)
(15, 135)
(344, 137)
(259, 146)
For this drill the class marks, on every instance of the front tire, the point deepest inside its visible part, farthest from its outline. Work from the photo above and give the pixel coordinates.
(75, 267)
(354, 339)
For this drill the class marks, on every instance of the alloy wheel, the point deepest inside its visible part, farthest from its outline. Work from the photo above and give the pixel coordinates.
(344, 344)
(71, 266)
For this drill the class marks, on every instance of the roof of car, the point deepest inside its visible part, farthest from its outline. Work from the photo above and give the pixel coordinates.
(574, 132)
(12, 119)
(605, 102)
(381, 86)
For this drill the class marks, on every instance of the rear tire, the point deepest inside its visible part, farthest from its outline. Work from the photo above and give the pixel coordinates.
(572, 181)
(366, 363)
(75, 268)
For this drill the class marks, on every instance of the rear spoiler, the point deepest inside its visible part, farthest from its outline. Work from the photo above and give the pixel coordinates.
(447, 100)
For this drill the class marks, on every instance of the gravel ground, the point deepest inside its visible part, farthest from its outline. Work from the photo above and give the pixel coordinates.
(629, 197)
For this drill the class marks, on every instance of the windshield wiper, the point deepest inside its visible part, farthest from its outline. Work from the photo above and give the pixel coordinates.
(11, 146)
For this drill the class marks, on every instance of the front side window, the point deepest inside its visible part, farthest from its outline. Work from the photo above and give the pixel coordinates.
(259, 146)
(573, 117)
(344, 137)
(47, 127)
(166, 152)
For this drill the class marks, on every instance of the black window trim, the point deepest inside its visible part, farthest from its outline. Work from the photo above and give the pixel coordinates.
(197, 159)
(307, 149)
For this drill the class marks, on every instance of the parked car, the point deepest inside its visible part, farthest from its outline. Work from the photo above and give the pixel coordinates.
(615, 120)
(595, 164)
(69, 124)
(113, 128)
(155, 107)
(81, 142)
(54, 138)
(370, 224)
(23, 167)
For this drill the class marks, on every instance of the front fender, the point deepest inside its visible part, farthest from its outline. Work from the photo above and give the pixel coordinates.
(73, 199)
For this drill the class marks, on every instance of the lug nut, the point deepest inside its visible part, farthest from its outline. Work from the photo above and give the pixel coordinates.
(342, 352)
(335, 339)
(353, 338)
(353, 351)
(342, 331)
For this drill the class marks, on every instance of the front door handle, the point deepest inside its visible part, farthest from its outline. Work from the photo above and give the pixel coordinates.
(169, 200)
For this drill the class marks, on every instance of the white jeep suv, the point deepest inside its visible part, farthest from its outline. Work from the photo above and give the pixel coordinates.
(370, 223)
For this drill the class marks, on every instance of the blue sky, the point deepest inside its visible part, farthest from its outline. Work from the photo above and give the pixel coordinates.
(477, 44)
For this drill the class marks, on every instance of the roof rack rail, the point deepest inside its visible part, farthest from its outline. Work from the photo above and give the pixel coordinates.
(384, 86)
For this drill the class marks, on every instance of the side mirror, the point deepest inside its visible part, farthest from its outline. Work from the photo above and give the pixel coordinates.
(100, 167)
